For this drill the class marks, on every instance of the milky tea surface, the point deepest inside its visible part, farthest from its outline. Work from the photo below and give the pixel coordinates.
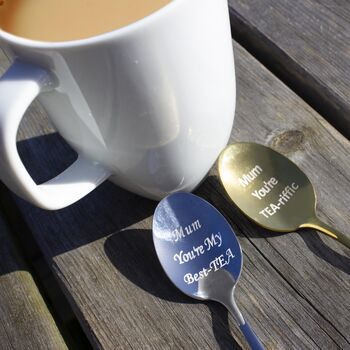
(62, 20)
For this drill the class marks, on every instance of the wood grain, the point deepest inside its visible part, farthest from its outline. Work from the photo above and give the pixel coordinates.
(25, 321)
(304, 42)
(294, 289)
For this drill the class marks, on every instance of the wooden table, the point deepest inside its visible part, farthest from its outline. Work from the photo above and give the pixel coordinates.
(88, 277)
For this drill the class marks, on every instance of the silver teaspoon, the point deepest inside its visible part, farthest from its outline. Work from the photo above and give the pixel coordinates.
(200, 253)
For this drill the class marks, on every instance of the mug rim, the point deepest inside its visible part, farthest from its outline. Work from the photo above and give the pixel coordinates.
(76, 43)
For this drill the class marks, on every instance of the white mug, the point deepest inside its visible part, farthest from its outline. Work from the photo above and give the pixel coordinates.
(149, 105)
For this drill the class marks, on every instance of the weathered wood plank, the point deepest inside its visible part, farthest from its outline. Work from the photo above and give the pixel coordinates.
(25, 321)
(306, 43)
(63, 313)
(294, 288)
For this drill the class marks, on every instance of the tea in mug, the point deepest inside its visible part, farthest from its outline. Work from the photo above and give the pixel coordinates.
(62, 20)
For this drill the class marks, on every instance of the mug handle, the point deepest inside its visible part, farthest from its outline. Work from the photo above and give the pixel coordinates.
(19, 86)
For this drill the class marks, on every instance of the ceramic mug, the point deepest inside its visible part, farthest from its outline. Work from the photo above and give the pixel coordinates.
(149, 106)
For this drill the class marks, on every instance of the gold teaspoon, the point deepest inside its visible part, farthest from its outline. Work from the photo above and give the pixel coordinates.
(271, 190)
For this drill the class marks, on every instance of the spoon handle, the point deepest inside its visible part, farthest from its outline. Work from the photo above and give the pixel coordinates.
(328, 230)
(252, 339)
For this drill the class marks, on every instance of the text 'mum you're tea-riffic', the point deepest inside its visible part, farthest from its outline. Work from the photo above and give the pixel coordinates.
(265, 188)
